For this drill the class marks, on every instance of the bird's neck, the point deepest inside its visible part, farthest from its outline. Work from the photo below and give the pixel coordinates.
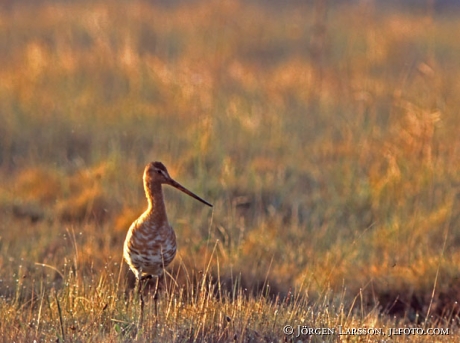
(156, 210)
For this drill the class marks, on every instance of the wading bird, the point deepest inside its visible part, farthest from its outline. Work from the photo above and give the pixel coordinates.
(150, 244)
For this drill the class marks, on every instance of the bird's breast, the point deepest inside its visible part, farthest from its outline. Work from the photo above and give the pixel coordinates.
(149, 247)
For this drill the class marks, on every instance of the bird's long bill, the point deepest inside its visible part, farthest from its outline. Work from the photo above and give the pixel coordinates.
(186, 191)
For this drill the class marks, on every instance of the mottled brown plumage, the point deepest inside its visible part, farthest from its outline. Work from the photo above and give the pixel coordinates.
(150, 245)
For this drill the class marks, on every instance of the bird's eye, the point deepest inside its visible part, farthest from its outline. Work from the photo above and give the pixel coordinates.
(158, 171)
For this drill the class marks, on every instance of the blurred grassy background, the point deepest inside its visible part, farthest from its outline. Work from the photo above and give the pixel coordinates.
(327, 137)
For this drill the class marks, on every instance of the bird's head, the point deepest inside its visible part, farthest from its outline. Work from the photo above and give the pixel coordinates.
(155, 173)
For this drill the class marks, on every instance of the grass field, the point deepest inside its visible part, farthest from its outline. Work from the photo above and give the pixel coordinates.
(326, 136)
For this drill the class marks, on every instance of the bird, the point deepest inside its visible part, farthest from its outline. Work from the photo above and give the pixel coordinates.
(150, 245)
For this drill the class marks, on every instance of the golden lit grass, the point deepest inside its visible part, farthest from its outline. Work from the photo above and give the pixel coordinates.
(329, 150)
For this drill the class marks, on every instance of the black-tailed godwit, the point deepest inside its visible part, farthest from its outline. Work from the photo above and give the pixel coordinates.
(150, 244)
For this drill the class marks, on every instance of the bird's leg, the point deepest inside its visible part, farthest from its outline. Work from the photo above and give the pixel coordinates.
(141, 299)
(142, 281)
(155, 297)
